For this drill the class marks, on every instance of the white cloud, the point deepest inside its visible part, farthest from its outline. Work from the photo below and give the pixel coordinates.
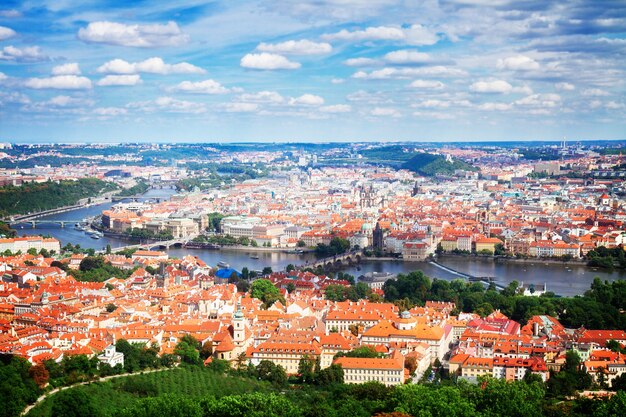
(613, 105)
(262, 97)
(539, 100)
(6, 33)
(117, 66)
(495, 106)
(360, 62)
(143, 36)
(301, 47)
(307, 100)
(13, 97)
(522, 90)
(3, 76)
(67, 101)
(336, 108)
(28, 54)
(428, 84)
(109, 111)
(154, 65)
(337, 81)
(267, 61)
(61, 82)
(433, 115)
(595, 92)
(125, 80)
(564, 86)
(387, 73)
(518, 63)
(241, 107)
(385, 112)
(407, 57)
(495, 86)
(10, 13)
(66, 69)
(169, 104)
(433, 104)
(414, 35)
(202, 87)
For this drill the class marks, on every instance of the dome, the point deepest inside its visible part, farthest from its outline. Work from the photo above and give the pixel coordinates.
(366, 227)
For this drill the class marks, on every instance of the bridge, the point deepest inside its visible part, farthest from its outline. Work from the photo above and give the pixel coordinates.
(158, 245)
(336, 261)
(28, 217)
(471, 278)
(136, 198)
(35, 223)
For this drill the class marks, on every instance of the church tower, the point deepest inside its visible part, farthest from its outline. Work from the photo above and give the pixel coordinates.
(239, 328)
(378, 237)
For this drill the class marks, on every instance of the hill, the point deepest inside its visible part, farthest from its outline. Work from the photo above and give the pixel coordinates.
(33, 197)
(430, 165)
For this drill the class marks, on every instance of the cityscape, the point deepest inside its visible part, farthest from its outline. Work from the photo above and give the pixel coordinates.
(322, 208)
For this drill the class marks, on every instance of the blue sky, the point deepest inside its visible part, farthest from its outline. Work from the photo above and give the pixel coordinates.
(312, 70)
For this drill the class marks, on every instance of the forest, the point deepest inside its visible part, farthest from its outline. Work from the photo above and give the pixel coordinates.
(430, 165)
(34, 197)
(601, 307)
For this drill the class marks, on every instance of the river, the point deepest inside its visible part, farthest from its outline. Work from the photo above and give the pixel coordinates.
(564, 280)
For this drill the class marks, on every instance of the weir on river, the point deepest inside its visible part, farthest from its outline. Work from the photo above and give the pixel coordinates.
(471, 278)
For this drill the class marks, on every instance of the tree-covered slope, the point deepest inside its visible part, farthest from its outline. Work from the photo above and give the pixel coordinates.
(430, 165)
(34, 197)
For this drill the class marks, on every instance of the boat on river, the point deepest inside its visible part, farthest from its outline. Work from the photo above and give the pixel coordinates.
(222, 264)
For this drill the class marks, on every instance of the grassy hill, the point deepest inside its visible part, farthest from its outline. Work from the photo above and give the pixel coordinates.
(430, 165)
(116, 394)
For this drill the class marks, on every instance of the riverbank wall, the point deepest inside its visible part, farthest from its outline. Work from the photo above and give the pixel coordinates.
(498, 259)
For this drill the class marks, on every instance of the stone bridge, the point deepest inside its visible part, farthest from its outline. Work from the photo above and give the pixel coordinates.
(336, 261)
(158, 245)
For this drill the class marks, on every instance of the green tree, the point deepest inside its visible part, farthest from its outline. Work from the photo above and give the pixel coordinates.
(91, 262)
(265, 291)
(306, 367)
(73, 403)
(425, 400)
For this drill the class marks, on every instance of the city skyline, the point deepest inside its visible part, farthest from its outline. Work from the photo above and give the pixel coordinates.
(333, 70)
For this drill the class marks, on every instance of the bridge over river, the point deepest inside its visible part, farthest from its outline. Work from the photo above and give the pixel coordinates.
(157, 245)
(335, 261)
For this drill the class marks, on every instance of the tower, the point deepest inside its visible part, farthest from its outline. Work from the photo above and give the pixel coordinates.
(239, 328)
(378, 237)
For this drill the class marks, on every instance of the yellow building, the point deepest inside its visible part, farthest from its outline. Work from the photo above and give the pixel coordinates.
(386, 371)
(487, 243)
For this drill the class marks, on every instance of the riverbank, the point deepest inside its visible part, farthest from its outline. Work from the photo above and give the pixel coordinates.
(503, 259)
(242, 248)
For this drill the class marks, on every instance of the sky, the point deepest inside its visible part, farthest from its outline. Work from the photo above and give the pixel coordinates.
(312, 70)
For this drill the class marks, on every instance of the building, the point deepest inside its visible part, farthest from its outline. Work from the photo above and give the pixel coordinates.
(24, 243)
(487, 244)
(149, 255)
(111, 357)
(388, 371)
(414, 251)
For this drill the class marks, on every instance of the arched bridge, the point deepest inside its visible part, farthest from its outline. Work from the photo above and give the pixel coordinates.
(158, 245)
(336, 261)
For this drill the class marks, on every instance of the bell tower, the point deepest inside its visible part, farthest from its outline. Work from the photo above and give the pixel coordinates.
(239, 328)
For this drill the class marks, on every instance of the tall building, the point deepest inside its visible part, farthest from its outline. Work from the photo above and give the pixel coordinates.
(378, 237)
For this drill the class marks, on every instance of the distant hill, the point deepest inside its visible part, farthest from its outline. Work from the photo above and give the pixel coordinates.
(430, 165)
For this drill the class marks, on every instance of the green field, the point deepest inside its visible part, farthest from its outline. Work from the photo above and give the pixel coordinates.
(120, 393)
